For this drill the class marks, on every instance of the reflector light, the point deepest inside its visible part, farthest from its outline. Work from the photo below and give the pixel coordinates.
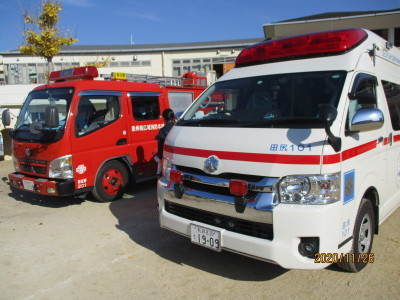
(301, 46)
(238, 187)
(176, 176)
(89, 73)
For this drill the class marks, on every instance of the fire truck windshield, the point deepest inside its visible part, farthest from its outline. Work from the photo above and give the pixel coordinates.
(282, 100)
(31, 125)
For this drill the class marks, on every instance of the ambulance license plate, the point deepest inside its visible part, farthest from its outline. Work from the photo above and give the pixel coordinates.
(28, 185)
(205, 237)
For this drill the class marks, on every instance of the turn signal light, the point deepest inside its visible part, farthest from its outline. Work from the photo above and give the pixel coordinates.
(176, 176)
(238, 187)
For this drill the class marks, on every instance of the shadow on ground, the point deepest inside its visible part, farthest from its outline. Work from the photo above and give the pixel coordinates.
(138, 217)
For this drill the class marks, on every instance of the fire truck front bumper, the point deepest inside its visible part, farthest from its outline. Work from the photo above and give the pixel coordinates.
(42, 186)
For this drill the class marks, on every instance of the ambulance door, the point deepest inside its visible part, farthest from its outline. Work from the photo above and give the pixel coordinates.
(392, 197)
(145, 122)
(363, 151)
(99, 134)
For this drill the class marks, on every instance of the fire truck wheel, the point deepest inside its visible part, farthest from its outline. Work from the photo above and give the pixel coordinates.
(363, 236)
(110, 182)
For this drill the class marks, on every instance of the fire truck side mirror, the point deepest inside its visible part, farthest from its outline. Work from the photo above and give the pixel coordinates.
(51, 116)
(6, 117)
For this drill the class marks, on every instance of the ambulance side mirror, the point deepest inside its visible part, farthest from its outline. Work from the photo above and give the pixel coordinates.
(6, 117)
(367, 119)
(51, 116)
(328, 113)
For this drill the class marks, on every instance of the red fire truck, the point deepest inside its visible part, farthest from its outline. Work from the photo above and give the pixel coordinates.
(78, 135)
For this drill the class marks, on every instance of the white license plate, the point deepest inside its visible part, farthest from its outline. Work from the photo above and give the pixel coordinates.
(28, 185)
(206, 237)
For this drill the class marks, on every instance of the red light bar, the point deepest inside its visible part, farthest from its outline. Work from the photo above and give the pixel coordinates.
(176, 176)
(238, 187)
(88, 73)
(301, 46)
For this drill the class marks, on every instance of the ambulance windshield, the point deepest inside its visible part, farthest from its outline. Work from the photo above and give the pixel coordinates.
(282, 100)
(31, 125)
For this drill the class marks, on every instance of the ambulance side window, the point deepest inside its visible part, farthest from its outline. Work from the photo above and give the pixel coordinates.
(145, 106)
(363, 95)
(96, 111)
(392, 93)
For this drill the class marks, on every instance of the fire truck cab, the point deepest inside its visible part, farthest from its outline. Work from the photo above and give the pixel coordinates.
(296, 158)
(77, 134)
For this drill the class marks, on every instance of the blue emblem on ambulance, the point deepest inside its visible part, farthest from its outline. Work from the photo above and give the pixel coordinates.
(211, 164)
(348, 186)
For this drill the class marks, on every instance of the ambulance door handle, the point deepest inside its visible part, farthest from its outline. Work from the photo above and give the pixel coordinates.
(379, 140)
(121, 142)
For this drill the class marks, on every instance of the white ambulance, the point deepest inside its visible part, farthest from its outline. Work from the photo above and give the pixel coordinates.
(293, 156)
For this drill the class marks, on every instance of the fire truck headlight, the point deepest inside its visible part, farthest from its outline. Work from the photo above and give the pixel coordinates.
(166, 168)
(61, 168)
(310, 189)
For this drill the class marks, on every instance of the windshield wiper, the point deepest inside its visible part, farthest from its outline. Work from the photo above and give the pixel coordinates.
(199, 122)
(283, 121)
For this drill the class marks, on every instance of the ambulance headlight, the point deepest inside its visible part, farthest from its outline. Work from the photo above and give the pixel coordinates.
(309, 189)
(166, 168)
(61, 168)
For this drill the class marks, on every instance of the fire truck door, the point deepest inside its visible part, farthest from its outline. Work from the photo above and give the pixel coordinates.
(99, 133)
(146, 121)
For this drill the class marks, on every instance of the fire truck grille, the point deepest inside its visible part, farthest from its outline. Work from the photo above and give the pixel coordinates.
(259, 230)
(33, 169)
(33, 166)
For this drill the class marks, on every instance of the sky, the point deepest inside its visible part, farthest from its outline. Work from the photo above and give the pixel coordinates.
(124, 22)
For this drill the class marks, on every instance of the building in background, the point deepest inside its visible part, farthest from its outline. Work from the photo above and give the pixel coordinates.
(149, 59)
(20, 73)
(385, 23)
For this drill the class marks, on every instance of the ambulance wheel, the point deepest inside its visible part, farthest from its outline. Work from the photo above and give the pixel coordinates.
(363, 237)
(110, 182)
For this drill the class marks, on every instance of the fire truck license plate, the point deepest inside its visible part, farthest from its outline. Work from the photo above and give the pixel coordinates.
(206, 237)
(28, 185)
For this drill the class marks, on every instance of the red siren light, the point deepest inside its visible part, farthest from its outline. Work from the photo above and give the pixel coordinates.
(302, 46)
(88, 73)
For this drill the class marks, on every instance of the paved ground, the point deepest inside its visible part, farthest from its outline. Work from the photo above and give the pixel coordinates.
(80, 249)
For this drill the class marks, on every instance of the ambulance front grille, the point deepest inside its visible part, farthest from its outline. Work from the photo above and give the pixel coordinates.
(249, 228)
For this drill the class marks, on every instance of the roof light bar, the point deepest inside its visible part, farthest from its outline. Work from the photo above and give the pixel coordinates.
(88, 73)
(302, 46)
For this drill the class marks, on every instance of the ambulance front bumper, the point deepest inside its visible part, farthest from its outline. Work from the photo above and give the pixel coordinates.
(290, 224)
(42, 186)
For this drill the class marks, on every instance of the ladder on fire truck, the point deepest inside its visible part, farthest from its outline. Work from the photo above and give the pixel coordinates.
(192, 79)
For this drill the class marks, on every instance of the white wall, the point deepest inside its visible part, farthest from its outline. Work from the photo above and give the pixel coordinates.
(14, 95)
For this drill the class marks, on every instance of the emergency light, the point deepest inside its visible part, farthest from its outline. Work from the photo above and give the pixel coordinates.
(88, 73)
(303, 46)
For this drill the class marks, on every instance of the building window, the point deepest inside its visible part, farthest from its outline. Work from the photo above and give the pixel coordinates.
(183, 66)
(383, 33)
(397, 37)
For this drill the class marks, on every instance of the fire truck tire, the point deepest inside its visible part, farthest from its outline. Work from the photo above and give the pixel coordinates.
(110, 182)
(363, 237)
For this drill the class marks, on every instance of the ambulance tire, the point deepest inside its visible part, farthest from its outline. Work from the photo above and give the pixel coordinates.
(110, 182)
(363, 237)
